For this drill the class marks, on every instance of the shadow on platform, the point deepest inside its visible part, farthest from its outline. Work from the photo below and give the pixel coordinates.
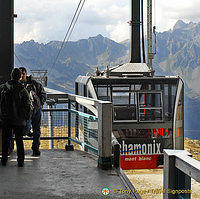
(59, 174)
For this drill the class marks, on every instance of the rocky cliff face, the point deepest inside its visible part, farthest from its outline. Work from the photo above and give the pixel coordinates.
(178, 53)
(77, 58)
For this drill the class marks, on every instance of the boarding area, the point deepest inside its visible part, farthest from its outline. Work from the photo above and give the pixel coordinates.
(79, 157)
(60, 174)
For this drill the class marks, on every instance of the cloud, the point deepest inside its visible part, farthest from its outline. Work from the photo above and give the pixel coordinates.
(43, 20)
(118, 32)
(168, 12)
(46, 20)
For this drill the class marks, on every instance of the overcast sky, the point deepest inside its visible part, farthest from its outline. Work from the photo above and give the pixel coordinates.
(47, 20)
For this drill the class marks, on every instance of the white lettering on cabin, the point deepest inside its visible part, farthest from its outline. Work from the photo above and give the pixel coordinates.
(138, 149)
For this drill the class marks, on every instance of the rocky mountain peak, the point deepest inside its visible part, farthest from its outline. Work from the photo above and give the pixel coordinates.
(180, 25)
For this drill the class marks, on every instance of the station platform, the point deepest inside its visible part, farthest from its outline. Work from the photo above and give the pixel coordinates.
(62, 174)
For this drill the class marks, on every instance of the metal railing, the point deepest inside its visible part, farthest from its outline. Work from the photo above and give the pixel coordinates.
(92, 131)
(54, 128)
(179, 168)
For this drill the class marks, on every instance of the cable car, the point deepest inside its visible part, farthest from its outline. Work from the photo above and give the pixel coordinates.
(147, 113)
(147, 109)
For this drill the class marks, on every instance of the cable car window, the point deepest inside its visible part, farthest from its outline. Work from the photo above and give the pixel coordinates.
(133, 98)
(173, 94)
(124, 113)
(150, 115)
(120, 87)
(104, 93)
(150, 100)
(121, 98)
(157, 87)
(178, 129)
(81, 89)
(167, 113)
(136, 87)
(150, 106)
(125, 104)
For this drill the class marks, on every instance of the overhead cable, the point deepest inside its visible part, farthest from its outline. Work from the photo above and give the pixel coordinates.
(19, 60)
(73, 25)
(69, 31)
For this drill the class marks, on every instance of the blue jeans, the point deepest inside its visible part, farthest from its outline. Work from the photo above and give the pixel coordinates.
(35, 121)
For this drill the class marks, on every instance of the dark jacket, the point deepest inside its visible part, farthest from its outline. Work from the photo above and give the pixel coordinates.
(33, 85)
(15, 111)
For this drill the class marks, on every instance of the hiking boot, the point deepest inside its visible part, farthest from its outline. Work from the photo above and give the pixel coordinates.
(36, 152)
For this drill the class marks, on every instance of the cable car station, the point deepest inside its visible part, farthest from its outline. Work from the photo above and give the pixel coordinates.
(124, 117)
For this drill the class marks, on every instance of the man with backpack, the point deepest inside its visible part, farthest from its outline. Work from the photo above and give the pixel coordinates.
(15, 111)
(38, 98)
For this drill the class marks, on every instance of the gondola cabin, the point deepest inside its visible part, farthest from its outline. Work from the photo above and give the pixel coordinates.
(147, 111)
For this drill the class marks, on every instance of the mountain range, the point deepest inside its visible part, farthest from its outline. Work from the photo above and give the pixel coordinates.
(177, 53)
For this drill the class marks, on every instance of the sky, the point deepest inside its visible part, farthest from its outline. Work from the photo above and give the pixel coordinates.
(48, 20)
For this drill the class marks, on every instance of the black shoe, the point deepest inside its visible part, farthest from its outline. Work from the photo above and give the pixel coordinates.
(36, 152)
(3, 162)
(20, 164)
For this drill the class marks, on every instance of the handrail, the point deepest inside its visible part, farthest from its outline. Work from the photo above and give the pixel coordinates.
(179, 168)
(102, 111)
(189, 166)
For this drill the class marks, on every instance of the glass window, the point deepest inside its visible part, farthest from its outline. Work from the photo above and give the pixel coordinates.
(179, 134)
(150, 100)
(125, 105)
(120, 87)
(167, 113)
(157, 87)
(173, 95)
(81, 89)
(150, 114)
(124, 113)
(104, 93)
(136, 87)
(150, 106)
(133, 98)
(121, 98)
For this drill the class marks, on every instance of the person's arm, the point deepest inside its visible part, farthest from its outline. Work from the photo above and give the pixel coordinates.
(26, 103)
(1, 88)
(41, 93)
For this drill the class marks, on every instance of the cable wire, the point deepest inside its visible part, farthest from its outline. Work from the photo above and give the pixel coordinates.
(73, 26)
(19, 60)
(70, 29)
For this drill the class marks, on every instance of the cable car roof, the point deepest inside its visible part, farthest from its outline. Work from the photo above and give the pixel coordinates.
(131, 68)
(125, 79)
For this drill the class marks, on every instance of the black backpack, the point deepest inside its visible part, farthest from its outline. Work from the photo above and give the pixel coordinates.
(11, 104)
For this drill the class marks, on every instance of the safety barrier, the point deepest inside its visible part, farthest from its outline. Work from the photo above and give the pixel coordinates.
(179, 168)
(91, 131)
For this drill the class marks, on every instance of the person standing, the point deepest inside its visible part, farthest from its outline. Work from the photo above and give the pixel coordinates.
(15, 112)
(38, 98)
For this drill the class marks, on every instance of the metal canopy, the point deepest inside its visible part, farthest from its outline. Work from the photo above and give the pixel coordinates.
(131, 68)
